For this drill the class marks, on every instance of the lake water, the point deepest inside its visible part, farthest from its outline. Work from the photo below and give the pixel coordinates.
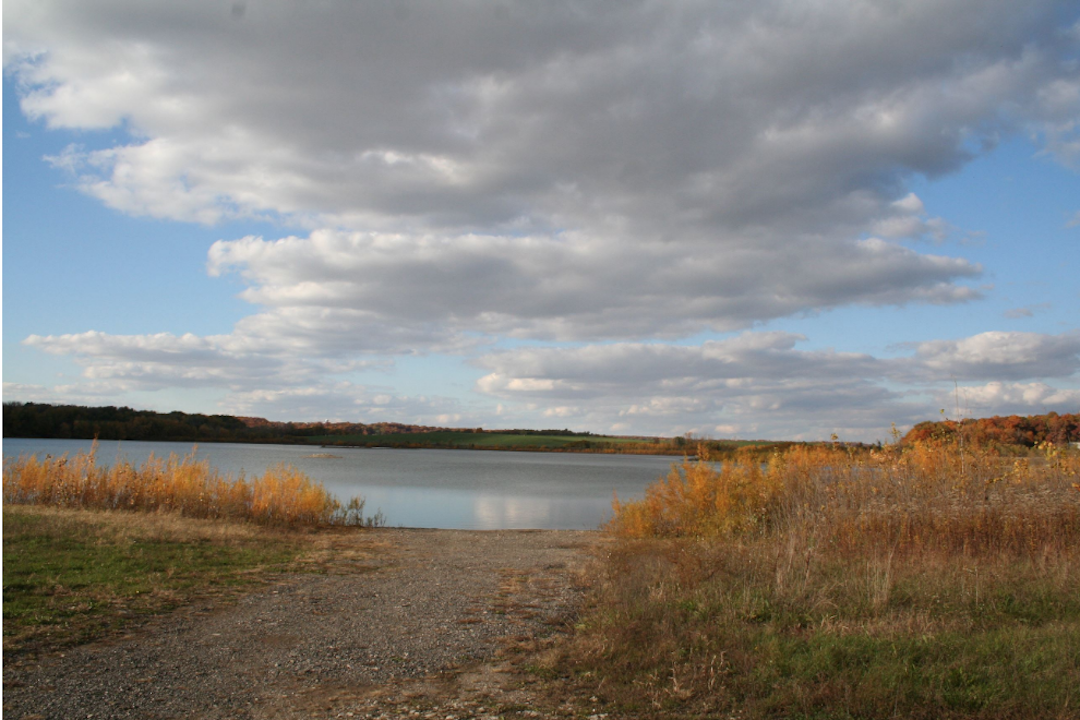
(456, 489)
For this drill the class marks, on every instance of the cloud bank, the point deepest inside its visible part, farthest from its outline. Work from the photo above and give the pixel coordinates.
(761, 383)
(753, 384)
(448, 176)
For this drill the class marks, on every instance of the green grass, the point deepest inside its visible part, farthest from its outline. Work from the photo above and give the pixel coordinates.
(1008, 671)
(465, 440)
(693, 629)
(926, 581)
(489, 441)
(74, 575)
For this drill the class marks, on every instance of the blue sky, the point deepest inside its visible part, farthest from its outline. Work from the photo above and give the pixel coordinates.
(729, 219)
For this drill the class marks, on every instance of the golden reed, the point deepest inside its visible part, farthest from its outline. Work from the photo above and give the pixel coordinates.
(929, 494)
(282, 496)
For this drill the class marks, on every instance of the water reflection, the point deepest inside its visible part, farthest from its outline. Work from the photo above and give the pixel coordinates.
(495, 512)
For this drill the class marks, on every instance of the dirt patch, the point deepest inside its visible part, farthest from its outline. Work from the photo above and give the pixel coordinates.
(403, 623)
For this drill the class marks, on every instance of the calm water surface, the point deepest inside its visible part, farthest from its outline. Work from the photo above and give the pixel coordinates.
(458, 489)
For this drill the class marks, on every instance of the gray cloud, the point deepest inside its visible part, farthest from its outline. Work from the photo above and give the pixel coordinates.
(155, 362)
(725, 159)
(752, 384)
(755, 383)
(1005, 398)
(257, 379)
(344, 401)
(1026, 312)
(599, 370)
(999, 356)
(80, 393)
(568, 286)
(718, 115)
(761, 382)
(451, 174)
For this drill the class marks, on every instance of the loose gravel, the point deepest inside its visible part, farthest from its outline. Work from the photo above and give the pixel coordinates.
(413, 628)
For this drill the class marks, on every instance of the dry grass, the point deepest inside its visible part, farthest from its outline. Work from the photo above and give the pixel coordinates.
(921, 582)
(158, 527)
(283, 496)
(925, 496)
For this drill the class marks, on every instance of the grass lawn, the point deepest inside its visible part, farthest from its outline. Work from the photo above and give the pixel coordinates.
(450, 439)
(74, 575)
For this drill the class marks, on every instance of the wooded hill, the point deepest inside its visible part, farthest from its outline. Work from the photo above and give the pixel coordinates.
(1013, 430)
(123, 423)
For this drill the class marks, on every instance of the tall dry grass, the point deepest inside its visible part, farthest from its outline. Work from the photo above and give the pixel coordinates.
(928, 495)
(925, 581)
(282, 496)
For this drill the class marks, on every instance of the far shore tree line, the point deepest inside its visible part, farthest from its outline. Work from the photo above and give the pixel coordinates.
(43, 420)
(123, 423)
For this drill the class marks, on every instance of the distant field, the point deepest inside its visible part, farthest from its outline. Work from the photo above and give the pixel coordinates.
(544, 442)
(450, 439)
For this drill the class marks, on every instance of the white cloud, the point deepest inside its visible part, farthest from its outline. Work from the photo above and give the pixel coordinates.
(654, 157)
(1000, 356)
(761, 383)
(387, 291)
(1026, 312)
(155, 362)
(1003, 398)
(909, 220)
(82, 393)
(719, 117)
(595, 371)
(756, 382)
(348, 402)
(453, 174)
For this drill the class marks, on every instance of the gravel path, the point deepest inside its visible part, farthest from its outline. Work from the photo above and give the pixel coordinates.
(414, 628)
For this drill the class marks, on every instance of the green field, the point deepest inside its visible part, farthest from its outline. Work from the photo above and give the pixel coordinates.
(485, 440)
(75, 575)
(544, 442)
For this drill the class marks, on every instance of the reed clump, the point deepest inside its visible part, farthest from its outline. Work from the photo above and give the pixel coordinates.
(925, 581)
(283, 496)
(928, 495)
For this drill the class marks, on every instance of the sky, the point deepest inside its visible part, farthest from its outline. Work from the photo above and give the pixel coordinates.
(781, 219)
